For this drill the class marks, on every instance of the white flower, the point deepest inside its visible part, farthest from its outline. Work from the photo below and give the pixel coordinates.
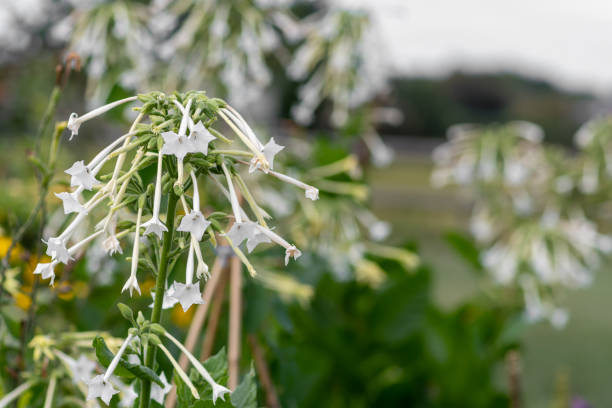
(270, 150)
(128, 396)
(158, 394)
(75, 122)
(56, 249)
(292, 251)
(83, 369)
(81, 176)
(131, 284)
(99, 387)
(200, 138)
(312, 193)
(70, 202)
(178, 144)
(219, 391)
(187, 294)
(194, 223)
(241, 231)
(46, 270)
(169, 301)
(154, 226)
(111, 245)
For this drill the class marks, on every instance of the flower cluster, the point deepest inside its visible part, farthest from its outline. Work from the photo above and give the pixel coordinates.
(339, 60)
(182, 143)
(178, 44)
(529, 215)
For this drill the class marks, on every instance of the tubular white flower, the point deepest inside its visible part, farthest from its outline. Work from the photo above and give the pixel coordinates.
(188, 293)
(219, 391)
(75, 122)
(102, 156)
(154, 225)
(115, 360)
(310, 191)
(195, 223)
(132, 282)
(70, 201)
(180, 371)
(233, 197)
(269, 151)
(81, 176)
(290, 250)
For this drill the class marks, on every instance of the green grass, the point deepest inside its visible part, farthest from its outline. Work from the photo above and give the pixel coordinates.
(402, 195)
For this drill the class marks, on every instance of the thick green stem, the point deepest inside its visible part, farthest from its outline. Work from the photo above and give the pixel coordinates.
(160, 286)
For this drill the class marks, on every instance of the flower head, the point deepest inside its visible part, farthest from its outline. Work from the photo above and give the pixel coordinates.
(200, 137)
(158, 393)
(99, 387)
(270, 150)
(56, 249)
(111, 245)
(219, 391)
(71, 202)
(187, 294)
(46, 270)
(81, 176)
(131, 284)
(292, 251)
(176, 144)
(194, 223)
(154, 226)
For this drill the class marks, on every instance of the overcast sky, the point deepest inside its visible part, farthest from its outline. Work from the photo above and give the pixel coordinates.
(566, 41)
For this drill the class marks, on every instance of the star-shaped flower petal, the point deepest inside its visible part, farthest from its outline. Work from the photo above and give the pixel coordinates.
(168, 301)
(81, 176)
(187, 294)
(46, 270)
(195, 223)
(131, 284)
(219, 391)
(158, 394)
(270, 150)
(177, 145)
(128, 396)
(241, 231)
(154, 226)
(83, 369)
(257, 238)
(200, 138)
(56, 249)
(312, 193)
(97, 387)
(292, 251)
(71, 202)
(111, 245)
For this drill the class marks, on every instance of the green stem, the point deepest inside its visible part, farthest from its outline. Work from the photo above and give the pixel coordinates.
(160, 285)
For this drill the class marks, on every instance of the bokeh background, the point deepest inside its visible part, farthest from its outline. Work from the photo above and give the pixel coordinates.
(430, 336)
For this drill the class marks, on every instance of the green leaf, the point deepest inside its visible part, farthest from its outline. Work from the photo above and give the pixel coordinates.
(126, 312)
(124, 368)
(466, 248)
(245, 394)
(217, 365)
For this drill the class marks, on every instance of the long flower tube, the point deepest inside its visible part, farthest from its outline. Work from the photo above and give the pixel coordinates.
(75, 121)
(218, 390)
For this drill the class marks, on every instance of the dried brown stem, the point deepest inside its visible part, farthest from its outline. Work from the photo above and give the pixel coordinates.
(213, 323)
(263, 373)
(513, 370)
(235, 322)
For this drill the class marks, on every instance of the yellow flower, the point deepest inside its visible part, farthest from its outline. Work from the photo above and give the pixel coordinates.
(65, 291)
(5, 243)
(180, 318)
(147, 286)
(23, 301)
